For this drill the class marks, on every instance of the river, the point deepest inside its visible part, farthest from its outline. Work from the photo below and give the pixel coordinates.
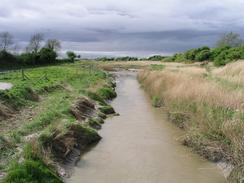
(141, 146)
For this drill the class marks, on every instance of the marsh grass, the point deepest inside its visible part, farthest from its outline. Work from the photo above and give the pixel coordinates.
(210, 112)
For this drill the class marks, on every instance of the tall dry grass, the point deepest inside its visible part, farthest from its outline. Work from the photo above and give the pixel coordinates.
(182, 86)
(213, 116)
(233, 72)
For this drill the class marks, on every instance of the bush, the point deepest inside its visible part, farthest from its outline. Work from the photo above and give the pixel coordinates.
(71, 55)
(7, 58)
(203, 55)
(216, 51)
(199, 54)
(191, 54)
(46, 56)
(168, 59)
(179, 57)
(28, 59)
(156, 58)
(227, 55)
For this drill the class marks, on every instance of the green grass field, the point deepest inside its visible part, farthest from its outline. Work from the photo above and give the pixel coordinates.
(41, 102)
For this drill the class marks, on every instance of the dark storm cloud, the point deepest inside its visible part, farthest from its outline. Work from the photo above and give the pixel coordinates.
(156, 26)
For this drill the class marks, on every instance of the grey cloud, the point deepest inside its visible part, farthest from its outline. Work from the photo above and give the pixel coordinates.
(114, 26)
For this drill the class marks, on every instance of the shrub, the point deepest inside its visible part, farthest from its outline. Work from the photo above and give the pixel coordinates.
(7, 58)
(168, 59)
(203, 55)
(156, 58)
(216, 51)
(71, 55)
(47, 55)
(28, 58)
(191, 54)
(179, 57)
(228, 55)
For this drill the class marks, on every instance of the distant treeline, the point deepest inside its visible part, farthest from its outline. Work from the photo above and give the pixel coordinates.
(229, 48)
(37, 52)
(127, 58)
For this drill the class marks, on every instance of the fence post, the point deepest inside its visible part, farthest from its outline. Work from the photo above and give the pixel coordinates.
(23, 74)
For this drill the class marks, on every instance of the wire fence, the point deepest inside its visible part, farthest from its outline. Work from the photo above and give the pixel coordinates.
(21, 74)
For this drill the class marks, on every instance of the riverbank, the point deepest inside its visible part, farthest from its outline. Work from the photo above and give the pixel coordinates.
(49, 117)
(208, 104)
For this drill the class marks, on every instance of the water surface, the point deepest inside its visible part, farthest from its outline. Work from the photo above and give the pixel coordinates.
(140, 146)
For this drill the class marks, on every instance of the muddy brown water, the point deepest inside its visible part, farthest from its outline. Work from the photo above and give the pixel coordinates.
(140, 146)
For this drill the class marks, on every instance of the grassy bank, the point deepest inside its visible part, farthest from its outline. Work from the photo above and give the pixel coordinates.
(46, 115)
(205, 104)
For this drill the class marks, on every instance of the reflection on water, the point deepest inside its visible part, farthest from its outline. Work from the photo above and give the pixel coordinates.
(140, 146)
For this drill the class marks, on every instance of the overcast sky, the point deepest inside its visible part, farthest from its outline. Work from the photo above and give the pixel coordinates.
(135, 27)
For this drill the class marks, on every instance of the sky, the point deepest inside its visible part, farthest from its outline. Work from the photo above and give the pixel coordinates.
(126, 27)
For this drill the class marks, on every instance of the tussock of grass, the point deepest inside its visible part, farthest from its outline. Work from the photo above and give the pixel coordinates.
(94, 123)
(157, 67)
(31, 171)
(107, 93)
(96, 97)
(107, 109)
(156, 101)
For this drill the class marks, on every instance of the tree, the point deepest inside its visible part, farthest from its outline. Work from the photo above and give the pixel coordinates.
(230, 39)
(53, 44)
(6, 40)
(71, 55)
(35, 43)
(47, 55)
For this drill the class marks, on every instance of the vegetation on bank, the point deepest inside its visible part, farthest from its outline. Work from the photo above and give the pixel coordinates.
(208, 105)
(46, 115)
(229, 48)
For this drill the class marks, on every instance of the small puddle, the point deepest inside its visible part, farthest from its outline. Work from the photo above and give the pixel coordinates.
(140, 146)
(5, 86)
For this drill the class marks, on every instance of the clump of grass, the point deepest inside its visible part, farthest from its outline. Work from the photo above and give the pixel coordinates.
(157, 67)
(102, 115)
(6, 151)
(94, 123)
(107, 93)
(156, 101)
(31, 171)
(65, 139)
(107, 109)
(96, 97)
